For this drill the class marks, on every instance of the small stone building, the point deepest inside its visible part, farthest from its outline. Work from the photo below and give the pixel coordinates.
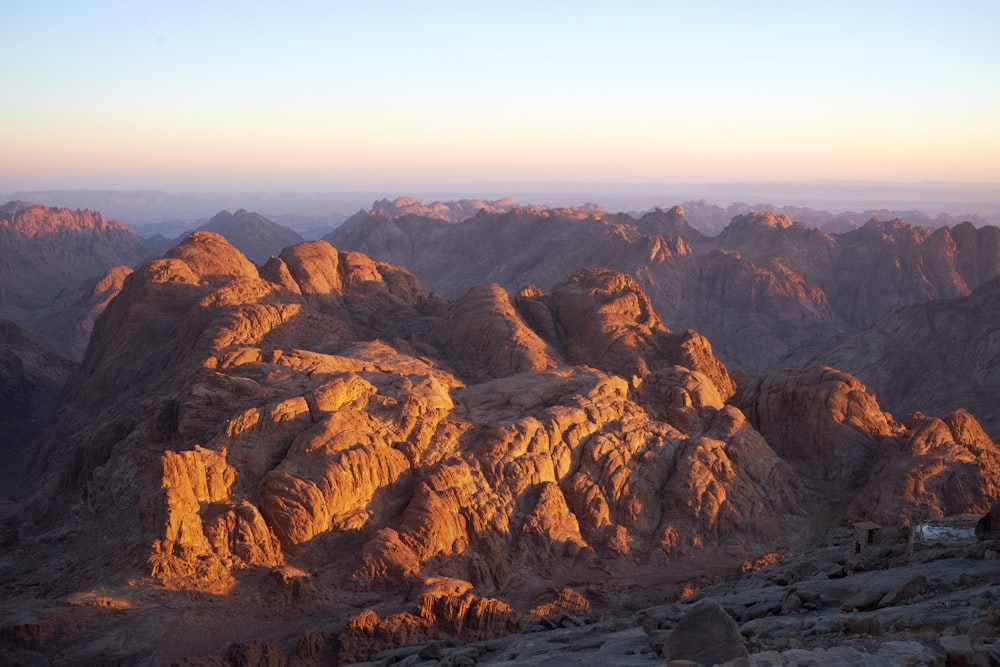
(866, 535)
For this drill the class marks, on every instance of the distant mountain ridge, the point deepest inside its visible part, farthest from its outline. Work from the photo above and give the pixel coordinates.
(450, 211)
(256, 237)
(44, 250)
(762, 287)
(711, 218)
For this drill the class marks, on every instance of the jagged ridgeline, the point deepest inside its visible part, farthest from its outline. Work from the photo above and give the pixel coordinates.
(318, 440)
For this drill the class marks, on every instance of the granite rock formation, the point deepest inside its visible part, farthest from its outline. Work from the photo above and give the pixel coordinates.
(318, 438)
(825, 423)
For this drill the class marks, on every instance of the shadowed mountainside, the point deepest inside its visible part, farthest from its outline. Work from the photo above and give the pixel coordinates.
(934, 357)
(67, 322)
(31, 376)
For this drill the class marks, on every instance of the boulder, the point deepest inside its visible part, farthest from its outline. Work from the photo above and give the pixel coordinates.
(706, 634)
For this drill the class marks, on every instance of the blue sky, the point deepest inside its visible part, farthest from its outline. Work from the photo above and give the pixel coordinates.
(329, 94)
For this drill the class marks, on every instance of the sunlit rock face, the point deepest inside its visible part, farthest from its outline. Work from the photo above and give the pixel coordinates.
(322, 419)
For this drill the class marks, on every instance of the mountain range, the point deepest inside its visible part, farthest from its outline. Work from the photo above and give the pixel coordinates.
(448, 429)
(764, 287)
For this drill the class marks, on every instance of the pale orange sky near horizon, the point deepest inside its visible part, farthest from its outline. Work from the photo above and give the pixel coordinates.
(112, 95)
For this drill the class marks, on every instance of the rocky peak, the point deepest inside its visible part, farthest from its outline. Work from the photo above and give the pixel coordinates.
(759, 219)
(821, 419)
(315, 266)
(32, 220)
(256, 237)
(892, 231)
(670, 223)
(483, 331)
(450, 211)
(209, 255)
(609, 322)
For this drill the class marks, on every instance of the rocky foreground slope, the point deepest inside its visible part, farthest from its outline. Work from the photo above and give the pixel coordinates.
(317, 455)
(893, 605)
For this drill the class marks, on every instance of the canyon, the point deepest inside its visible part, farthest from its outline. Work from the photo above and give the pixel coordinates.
(426, 429)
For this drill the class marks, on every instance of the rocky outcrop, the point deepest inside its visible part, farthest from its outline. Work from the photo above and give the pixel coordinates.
(609, 322)
(826, 424)
(204, 535)
(821, 419)
(935, 468)
(483, 332)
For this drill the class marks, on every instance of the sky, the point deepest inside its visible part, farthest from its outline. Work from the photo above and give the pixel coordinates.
(331, 95)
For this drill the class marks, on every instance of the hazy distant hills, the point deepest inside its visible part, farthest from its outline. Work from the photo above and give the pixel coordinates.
(711, 219)
(146, 210)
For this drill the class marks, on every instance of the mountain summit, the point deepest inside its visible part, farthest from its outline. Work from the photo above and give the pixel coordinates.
(256, 236)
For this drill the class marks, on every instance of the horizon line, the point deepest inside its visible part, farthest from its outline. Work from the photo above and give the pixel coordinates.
(366, 186)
